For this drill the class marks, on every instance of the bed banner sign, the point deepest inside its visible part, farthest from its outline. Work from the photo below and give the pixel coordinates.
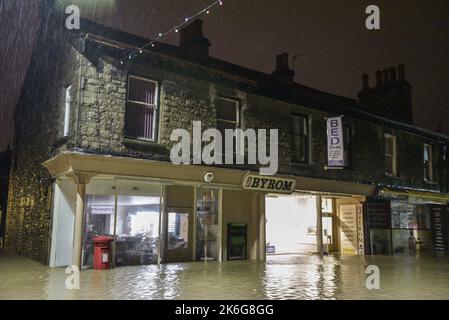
(335, 147)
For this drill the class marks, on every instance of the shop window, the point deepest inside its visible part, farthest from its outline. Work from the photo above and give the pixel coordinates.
(207, 225)
(327, 205)
(132, 220)
(380, 240)
(390, 155)
(178, 230)
(98, 217)
(410, 219)
(428, 162)
(299, 139)
(137, 223)
(141, 109)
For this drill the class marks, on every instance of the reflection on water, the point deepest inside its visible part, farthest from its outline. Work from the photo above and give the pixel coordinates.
(280, 277)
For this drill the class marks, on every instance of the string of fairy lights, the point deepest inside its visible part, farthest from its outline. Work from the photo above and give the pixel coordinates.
(176, 29)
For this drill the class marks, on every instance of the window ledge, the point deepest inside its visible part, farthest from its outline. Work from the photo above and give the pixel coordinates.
(431, 182)
(60, 141)
(144, 143)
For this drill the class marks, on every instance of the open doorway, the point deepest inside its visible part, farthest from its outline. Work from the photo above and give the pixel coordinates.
(291, 224)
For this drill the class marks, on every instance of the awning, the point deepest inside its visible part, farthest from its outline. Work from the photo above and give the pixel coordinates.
(414, 196)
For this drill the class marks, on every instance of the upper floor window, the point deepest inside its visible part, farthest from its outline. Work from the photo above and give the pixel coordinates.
(390, 155)
(228, 114)
(428, 162)
(300, 138)
(67, 102)
(347, 142)
(228, 117)
(141, 109)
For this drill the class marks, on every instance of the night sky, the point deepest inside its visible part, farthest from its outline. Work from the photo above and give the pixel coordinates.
(334, 46)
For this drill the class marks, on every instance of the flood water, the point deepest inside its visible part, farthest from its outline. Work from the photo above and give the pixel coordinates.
(280, 277)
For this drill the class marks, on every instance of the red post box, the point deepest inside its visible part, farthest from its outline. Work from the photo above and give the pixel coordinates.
(102, 252)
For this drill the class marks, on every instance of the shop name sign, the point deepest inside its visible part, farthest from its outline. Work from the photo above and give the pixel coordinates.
(268, 184)
(335, 147)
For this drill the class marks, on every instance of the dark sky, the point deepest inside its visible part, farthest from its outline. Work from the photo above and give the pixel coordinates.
(332, 34)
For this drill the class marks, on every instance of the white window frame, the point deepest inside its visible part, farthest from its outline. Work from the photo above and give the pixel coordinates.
(429, 163)
(237, 111)
(393, 155)
(236, 122)
(153, 106)
(307, 122)
(67, 103)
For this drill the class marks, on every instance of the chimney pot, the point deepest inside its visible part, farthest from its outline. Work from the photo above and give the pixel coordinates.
(401, 73)
(379, 81)
(386, 76)
(365, 81)
(393, 77)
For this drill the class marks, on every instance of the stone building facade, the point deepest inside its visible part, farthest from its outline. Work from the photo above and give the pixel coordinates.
(189, 84)
(5, 168)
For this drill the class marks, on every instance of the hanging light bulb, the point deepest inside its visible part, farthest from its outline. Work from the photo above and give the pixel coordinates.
(160, 34)
(207, 11)
(140, 51)
(152, 45)
(176, 30)
(221, 3)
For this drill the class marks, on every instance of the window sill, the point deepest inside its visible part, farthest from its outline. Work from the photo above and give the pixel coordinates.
(147, 144)
(391, 176)
(60, 141)
(431, 182)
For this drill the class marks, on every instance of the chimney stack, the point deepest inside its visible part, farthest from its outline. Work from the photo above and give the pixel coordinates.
(192, 40)
(390, 98)
(283, 71)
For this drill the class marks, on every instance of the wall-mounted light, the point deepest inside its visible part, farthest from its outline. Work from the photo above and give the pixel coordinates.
(208, 177)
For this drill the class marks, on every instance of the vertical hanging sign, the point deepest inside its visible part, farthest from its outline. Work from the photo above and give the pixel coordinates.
(335, 147)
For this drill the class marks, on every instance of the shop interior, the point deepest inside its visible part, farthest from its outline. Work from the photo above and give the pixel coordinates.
(137, 222)
(291, 224)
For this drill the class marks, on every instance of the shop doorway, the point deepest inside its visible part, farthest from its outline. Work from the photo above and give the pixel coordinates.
(179, 236)
(291, 224)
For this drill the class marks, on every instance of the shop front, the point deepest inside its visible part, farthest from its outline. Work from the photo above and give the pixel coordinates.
(404, 221)
(152, 212)
(155, 212)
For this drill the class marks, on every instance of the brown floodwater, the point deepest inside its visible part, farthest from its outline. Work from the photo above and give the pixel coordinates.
(280, 277)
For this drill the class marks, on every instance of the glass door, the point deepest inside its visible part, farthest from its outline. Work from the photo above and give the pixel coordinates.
(137, 223)
(178, 246)
(207, 225)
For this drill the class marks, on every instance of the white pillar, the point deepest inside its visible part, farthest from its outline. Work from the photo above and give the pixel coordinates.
(319, 226)
(78, 233)
(80, 179)
(262, 228)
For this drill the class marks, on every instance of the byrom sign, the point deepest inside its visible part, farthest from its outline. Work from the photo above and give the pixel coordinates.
(268, 184)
